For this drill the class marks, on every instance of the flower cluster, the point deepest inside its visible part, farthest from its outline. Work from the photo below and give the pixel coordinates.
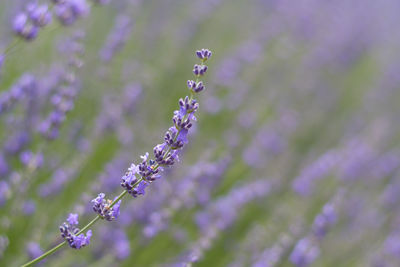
(103, 207)
(23, 88)
(68, 11)
(324, 220)
(307, 249)
(63, 102)
(117, 37)
(67, 89)
(166, 154)
(69, 232)
(305, 252)
(2, 57)
(221, 214)
(131, 184)
(194, 86)
(203, 54)
(199, 70)
(31, 160)
(27, 24)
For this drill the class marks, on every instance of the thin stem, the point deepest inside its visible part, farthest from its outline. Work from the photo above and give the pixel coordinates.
(13, 44)
(44, 255)
(89, 224)
(118, 198)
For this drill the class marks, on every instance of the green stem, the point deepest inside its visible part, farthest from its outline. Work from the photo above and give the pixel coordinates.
(11, 46)
(44, 255)
(118, 198)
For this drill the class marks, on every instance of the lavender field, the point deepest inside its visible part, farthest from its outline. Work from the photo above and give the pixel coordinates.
(200, 133)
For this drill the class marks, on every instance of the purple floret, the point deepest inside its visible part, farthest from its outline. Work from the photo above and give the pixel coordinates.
(69, 232)
(25, 28)
(73, 219)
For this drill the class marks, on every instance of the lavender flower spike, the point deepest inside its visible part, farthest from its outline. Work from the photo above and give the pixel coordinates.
(175, 138)
(139, 176)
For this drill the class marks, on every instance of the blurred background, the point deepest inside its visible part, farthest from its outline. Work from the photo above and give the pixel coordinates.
(293, 160)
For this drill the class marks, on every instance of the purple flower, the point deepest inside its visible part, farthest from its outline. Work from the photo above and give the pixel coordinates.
(64, 14)
(117, 38)
(171, 139)
(29, 207)
(158, 151)
(40, 16)
(23, 88)
(147, 169)
(222, 213)
(392, 244)
(69, 11)
(103, 207)
(5, 192)
(141, 186)
(114, 240)
(182, 136)
(69, 232)
(63, 102)
(4, 168)
(305, 182)
(182, 118)
(73, 219)
(79, 7)
(129, 179)
(175, 138)
(58, 180)
(115, 209)
(165, 160)
(199, 70)
(33, 249)
(304, 253)
(82, 240)
(187, 106)
(203, 54)
(195, 87)
(17, 142)
(2, 58)
(31, 160)
(24, 28)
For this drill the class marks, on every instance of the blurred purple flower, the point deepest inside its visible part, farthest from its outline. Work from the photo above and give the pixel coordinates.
(40, 15)
(304, 253)
(73, 219)
(25, 28)
(29, 207)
